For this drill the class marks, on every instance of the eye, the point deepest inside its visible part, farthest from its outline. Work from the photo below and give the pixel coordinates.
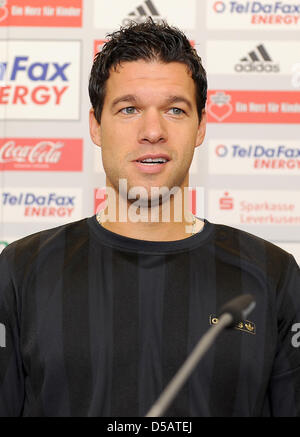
(177, 111)
(128, 110)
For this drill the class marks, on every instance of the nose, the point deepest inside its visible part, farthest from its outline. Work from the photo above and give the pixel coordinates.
(152, 128)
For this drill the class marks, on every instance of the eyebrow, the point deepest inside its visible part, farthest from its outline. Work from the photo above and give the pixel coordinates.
(127, 98)
(179, 99)
(131, 98)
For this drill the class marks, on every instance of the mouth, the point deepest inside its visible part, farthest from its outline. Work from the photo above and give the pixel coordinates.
(151, 159)
(152, 163)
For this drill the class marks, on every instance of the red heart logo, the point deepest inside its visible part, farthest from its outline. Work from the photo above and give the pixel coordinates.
(3, 13)
(220, 112)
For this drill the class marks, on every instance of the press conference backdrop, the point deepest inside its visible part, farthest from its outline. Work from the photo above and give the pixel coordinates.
(246, 174)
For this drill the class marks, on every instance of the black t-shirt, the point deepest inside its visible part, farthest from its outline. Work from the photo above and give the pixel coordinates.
(93, 323)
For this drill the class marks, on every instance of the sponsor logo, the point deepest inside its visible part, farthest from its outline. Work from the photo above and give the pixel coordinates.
(263, 157)
(252, 57)
(3, 11)
(272, 7)
(42, 83)
(226, 202)
(36, 154)
(219, 106)
(257, 61)
(243, 325)
(254, 207)
(142, 12)
(35, 205)
(228, 14)
(221, 150)
(253, 106)
(53, 13)
(119, 13)
(219, 7)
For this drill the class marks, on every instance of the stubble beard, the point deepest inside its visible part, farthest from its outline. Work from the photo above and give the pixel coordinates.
(156, 195)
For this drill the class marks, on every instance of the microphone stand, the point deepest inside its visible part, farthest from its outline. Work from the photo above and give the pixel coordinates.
(188, 366)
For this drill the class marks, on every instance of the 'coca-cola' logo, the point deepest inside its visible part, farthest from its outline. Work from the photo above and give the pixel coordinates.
(44, 152)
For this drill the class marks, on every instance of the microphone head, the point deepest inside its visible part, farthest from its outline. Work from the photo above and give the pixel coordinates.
(238, 308)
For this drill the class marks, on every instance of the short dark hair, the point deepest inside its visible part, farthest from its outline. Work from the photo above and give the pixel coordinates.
(148, 41)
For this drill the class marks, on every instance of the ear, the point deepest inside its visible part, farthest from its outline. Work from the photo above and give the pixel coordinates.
(95, 129)
(201, 129)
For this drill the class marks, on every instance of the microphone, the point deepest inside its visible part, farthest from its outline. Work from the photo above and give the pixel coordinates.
(231, 313)
(238, 308)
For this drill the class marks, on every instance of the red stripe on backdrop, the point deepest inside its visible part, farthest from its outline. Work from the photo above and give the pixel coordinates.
(231, 106)
(41, 13)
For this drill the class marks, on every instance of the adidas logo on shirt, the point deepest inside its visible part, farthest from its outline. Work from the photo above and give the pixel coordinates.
(142, 12)
(257, 61)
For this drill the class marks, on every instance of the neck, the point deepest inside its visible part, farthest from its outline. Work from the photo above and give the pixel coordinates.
(154, 223)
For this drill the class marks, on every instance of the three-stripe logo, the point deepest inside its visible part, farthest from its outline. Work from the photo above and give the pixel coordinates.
(142, 12)
(261, 51)
(257, 61)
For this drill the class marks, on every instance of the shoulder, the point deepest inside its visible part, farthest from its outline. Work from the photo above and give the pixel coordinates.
(252, 253)
(41, 244)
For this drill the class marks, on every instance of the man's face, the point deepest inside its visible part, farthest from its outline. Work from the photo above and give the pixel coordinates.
(149, 112)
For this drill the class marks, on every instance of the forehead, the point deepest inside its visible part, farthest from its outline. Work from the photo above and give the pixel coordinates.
(150, 77)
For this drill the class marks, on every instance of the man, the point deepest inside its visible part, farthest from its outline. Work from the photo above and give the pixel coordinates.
(100, 314)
